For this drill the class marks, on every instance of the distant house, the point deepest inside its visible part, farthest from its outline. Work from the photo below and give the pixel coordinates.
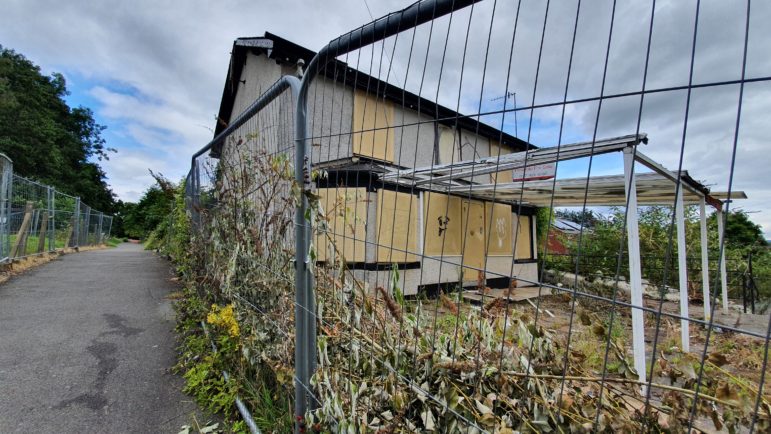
(562, 230)
(371, 128)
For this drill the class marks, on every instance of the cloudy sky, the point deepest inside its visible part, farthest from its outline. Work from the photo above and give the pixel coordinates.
(153, 72)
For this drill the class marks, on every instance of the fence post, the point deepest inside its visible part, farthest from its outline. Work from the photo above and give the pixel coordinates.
(109, 227)
(52, 219)
(751, 282)
(42, 234)
(76, 228)
(99, 237)
(305, 335)
(21, 236)
(197, 195)
(6, 185)
(86, 225)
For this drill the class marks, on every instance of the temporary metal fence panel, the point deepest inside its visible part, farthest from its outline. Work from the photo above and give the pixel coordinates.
(106, 229)
(241, 200)
(427, 129)
(65, 223)
(30, 217)
(433, 134)
(36, 218)
(6, 184)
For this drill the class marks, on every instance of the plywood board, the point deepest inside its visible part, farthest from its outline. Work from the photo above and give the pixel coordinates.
(397, 226)
(449, 146)
(499, 229)
(473, 222)
(524, 238)
(442, 224)
(372, 121)
(345, 210)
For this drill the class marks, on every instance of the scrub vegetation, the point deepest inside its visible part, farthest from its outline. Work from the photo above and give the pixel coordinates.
(390, 364)
(598, 249)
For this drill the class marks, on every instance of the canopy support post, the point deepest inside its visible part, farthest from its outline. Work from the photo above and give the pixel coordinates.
(704, 259)
(635, 270)
(722, 250)
(682, 269)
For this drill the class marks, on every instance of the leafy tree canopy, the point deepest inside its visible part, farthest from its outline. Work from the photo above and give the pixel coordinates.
(46, 139)
(156, 204)
(741, 232)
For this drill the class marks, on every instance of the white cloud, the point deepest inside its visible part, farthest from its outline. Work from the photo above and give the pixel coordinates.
(172, 57)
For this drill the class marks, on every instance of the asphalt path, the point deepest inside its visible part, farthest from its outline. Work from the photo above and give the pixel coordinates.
(86, 346)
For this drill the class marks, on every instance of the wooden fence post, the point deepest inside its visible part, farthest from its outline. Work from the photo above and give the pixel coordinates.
(21, 236)
(42, 235)
(71, 233)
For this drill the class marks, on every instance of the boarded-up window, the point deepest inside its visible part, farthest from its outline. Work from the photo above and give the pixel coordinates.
(504, 175)
(499, 232)
(372, 122)
(449, 146)
(473, 222)
(442, 225)
(524, 238)
(397, 226)
(345, 210)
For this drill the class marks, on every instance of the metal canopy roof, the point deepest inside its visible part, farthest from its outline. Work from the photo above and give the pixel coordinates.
(657, 188)
(443, 174)
(652, 189)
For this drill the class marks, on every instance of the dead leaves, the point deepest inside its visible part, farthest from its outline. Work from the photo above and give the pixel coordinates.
(717, 359)
(725, 392)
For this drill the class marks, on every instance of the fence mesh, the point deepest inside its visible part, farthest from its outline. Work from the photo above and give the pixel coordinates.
(6, 178)
(241, 204)
(443, 144)
(36, 218)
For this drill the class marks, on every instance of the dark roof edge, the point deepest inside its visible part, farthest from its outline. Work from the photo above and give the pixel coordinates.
(290, 52)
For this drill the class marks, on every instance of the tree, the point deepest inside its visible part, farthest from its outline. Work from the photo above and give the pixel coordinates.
(742, 233)
(46, 139)
(139, 219)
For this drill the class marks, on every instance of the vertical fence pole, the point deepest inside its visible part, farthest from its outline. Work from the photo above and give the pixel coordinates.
(302, 269)
(195, 195)
(76, 228)
(705, 293)
(109, 227)
(721, 256)
(635, 270)
(751, 283)
(744, 292)
(51, 219)
(682, 269)
(86, 225)
(43, 232)
(36, 214)
(10, 212)
(99, 237)
(5, 207)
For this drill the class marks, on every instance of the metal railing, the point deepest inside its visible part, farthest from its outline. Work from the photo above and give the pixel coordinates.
(36, 218)
(408, 285)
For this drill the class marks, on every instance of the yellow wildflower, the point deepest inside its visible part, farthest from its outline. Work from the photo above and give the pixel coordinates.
(223, 317)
